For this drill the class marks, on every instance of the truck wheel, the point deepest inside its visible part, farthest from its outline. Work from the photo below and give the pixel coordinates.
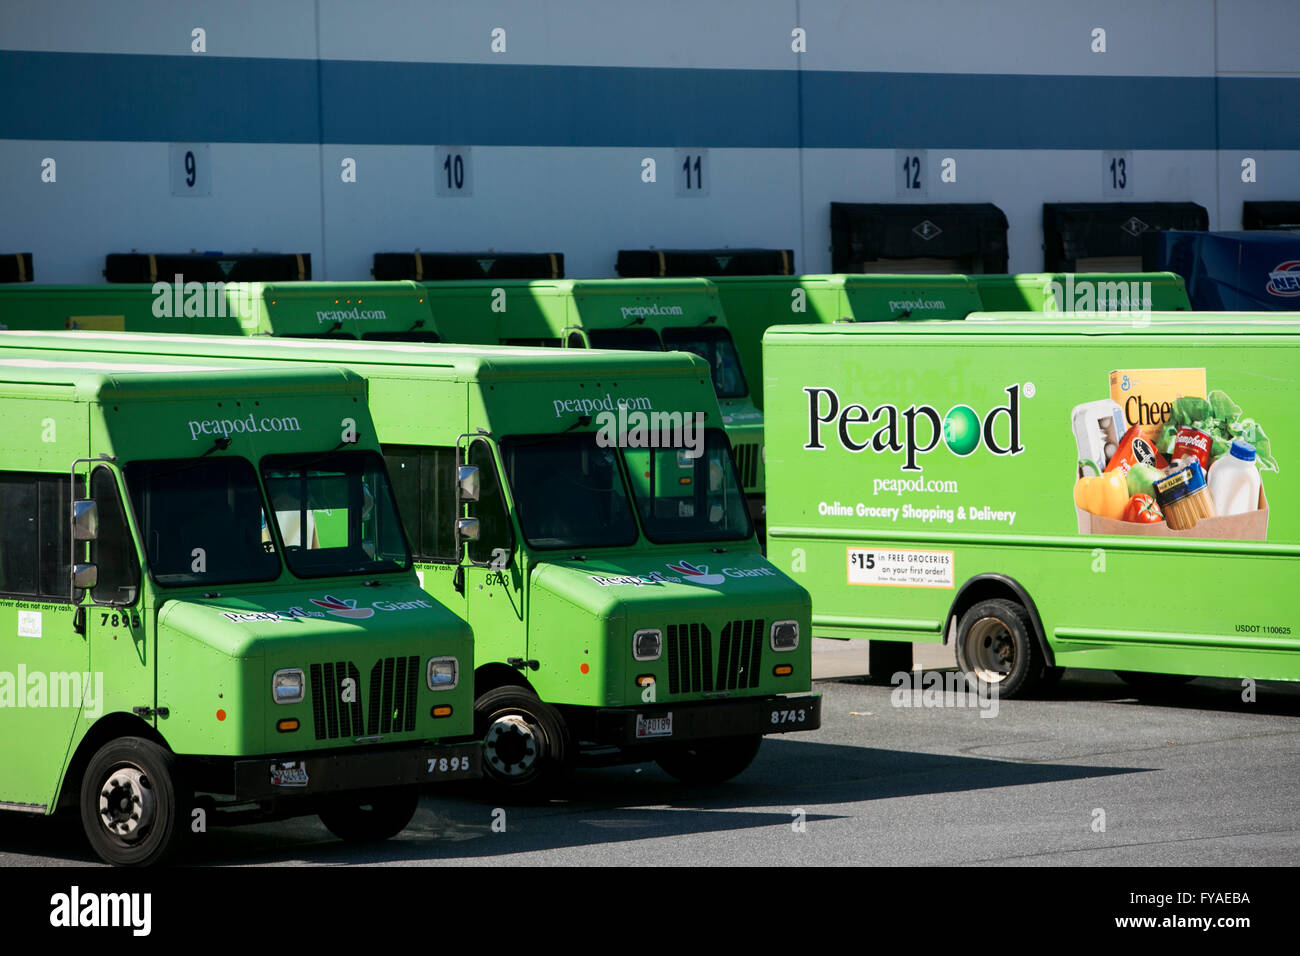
(132, 804)
(526, 751)
(370, 817)
(996, 643)
(710, 761)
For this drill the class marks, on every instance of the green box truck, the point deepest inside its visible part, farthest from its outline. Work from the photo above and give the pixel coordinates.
(208, 607)
(654, 315)
(377, 311)
(626, 314)
(1034, 492)
(621, 606)
(754, 303)
(1081, 292)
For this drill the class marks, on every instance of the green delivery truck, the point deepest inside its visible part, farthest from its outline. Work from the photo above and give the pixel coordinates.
(1081, 292)
(621, 606)
(754, 303)
(377, 311)
(626, 314)
(654, 315)
(208, 608)
(1024, 490)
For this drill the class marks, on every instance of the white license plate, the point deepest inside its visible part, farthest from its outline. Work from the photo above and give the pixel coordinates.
(290, 774)
(661, 726)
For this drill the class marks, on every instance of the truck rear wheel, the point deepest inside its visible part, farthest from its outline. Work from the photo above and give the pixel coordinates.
(710, 761)
(370, 817)
(132, 804)
(996, 643)
(526, 750)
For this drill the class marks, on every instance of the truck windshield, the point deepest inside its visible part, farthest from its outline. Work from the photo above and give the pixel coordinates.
(681, 498)
(715, 346)
(202, 521)
(632, 340)
(335, 513)
(568, 491)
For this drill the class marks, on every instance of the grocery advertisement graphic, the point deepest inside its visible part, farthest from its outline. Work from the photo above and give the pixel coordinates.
(1166, 456)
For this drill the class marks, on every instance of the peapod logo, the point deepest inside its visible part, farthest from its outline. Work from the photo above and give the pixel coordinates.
(917, 429)
(644, 311)
(686, 573)
(346, 607)
(1284, 279)
(355, 314)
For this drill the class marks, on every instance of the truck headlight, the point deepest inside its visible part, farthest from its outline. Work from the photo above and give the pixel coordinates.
(443, 673)
(288, 685)
(785, 635)
(647, 644)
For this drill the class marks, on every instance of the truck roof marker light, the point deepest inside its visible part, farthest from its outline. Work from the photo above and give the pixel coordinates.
(783, 670)
(584, 668)
(221, 715)
(441, 710)
(288, 725)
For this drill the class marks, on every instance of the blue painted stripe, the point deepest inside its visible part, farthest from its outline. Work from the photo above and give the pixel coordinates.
(95, 96)
(132, 98)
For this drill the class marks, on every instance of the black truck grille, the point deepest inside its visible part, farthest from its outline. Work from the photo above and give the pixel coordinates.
(747, 463)
(392, 695)
(691, 654)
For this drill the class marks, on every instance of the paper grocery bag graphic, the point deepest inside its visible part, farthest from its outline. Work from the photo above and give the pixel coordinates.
(1251, 526)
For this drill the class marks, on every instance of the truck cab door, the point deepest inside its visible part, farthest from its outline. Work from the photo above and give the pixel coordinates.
(490, 569)
(116, 623)
(43, 659)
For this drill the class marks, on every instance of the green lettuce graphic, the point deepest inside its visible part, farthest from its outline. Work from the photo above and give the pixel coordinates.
(1220, 418)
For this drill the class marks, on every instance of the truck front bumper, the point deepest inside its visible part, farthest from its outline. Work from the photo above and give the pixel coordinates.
(331, 771)
(699, 720)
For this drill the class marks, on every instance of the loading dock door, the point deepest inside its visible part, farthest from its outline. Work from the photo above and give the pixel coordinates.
(652, 263)
(442, 266)
(208, 267)
(1108, 236)
(1271, 215)
(920, 238)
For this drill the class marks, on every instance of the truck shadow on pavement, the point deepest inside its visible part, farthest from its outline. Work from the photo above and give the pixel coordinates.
(605, 809)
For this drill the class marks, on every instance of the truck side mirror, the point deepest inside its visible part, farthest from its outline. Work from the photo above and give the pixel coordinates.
(85, 576)
(468, 482)
(85, 520)
(467, 528)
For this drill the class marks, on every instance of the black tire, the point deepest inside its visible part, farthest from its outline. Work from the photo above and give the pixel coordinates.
(133, 805)
(1145, 683)
(370, 817)
(711, 761)
(996, 643)
(527, 752)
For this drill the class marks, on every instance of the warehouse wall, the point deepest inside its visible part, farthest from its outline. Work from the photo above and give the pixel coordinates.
(555, 127)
